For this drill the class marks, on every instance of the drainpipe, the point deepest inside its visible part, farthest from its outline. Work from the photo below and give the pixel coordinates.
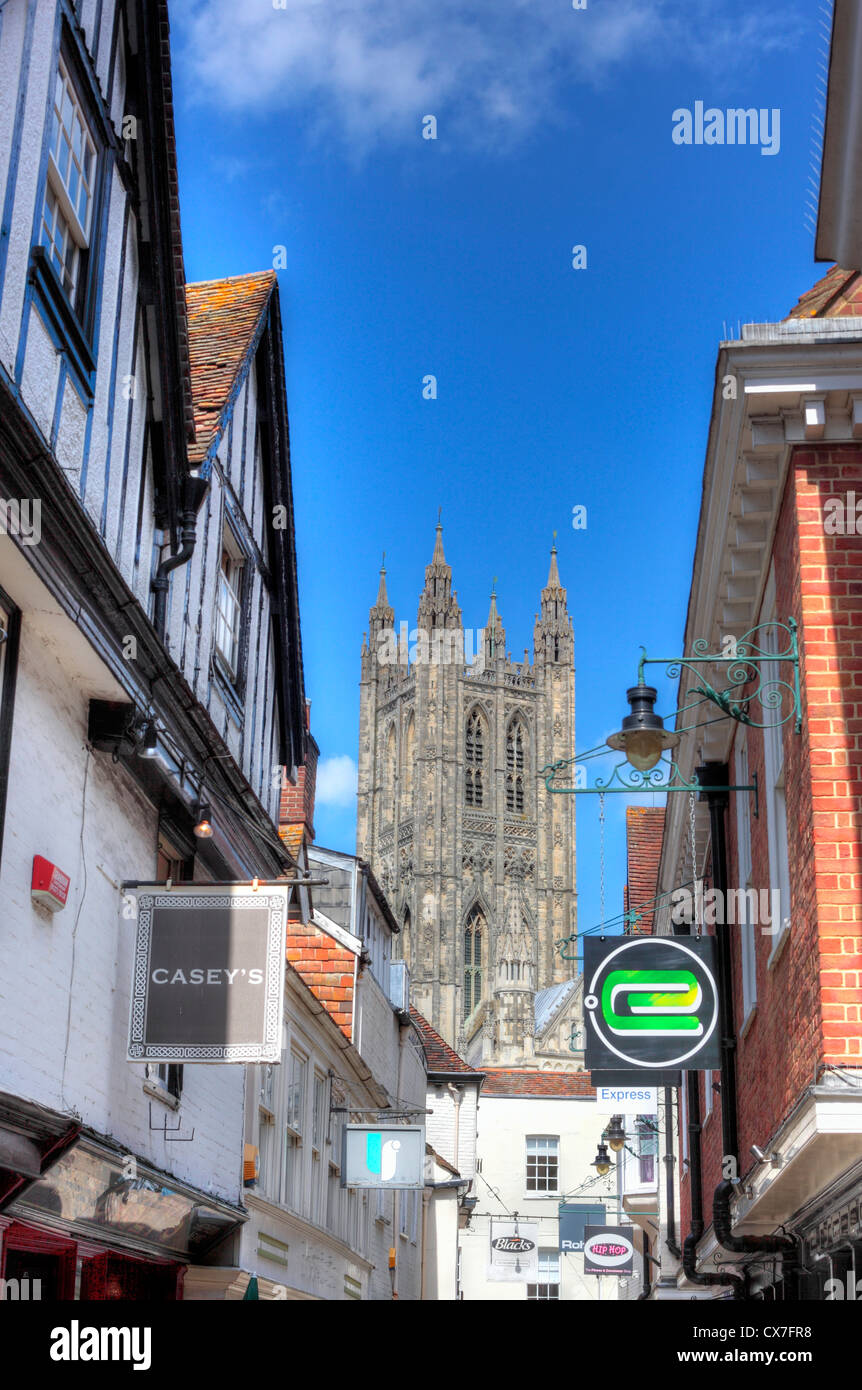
(670, 1242)
(689, 1245)
(194, 489)
(647, 1288)
(457, 1095)
(710, 776)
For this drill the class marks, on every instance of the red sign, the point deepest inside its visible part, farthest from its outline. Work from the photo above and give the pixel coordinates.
(50, 886)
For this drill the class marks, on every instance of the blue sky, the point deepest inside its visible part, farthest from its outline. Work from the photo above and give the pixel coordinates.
(302, 128)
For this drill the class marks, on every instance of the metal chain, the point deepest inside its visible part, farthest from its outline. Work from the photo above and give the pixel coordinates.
(602, 855)
(692, 832)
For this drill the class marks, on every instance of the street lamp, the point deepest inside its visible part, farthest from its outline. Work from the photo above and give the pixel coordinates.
(643, 737)
(602, 1160)
(615, 1134)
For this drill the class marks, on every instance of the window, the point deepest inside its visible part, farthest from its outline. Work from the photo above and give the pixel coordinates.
(747, 938)
(68, 204)
(409, 755)
(404, 1213)
(294, 1120)
(515, 747)
(474, 758)
(543, 1163)
(167, 1077)
(334, 1189)
(318, 1134)
(549, 1276)
(473, 961)
(647, 1143)
(229, 604)
(266, 1131)
(514, 793)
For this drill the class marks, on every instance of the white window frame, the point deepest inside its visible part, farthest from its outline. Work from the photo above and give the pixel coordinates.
(66, 208)
(552, 1150)
(549, 1264)
(228, 609)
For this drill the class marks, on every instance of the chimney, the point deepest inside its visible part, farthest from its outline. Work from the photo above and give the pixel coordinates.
(297, 801)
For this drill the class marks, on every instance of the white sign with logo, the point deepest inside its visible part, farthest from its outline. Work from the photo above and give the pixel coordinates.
(514, 1252)
(627, 1100)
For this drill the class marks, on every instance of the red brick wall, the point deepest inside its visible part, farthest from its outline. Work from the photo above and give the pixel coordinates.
(327, 968)
(809, 1004)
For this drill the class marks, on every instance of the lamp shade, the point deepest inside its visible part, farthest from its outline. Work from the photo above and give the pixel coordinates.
(643, 737)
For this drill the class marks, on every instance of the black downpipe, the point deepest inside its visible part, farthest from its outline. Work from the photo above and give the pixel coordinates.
(668, 1173)
(695, 1173)
(715, 779)
(647, 1288)
(194, 490)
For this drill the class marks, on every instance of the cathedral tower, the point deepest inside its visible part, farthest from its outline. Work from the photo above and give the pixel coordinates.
(476, 857)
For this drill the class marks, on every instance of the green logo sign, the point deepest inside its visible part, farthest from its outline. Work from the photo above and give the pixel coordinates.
(651, 1002)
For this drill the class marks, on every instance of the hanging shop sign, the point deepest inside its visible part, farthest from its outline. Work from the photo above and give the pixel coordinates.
(574, 1219)
(651, 1003)
(209, 974)
(514, 1252)
(372, 1156)
(608, 1250)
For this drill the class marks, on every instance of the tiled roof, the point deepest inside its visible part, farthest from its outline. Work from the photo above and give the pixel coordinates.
(224, 317)
(644, 833)
(438, 1054)
(504, 1081)
(837, 295)
(292, 835)
(327, 968)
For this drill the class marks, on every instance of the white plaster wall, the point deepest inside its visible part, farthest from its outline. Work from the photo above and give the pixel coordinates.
(441, 1126)
(87, 948)
(503, 1128)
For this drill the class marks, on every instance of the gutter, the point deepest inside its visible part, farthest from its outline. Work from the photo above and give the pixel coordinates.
(689, 1247)
(194, 490)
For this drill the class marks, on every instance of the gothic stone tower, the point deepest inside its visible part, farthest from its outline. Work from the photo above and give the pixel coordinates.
(476, 857)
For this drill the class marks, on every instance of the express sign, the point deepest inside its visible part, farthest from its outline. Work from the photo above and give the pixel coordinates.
(608, 1250)
(651, 1003)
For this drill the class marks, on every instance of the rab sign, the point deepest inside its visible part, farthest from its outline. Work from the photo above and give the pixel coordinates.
(209, 974)
(608, 1250)
(651, 1003)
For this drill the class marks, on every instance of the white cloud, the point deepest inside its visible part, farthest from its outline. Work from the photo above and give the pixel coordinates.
(336, 781)
(490, 69)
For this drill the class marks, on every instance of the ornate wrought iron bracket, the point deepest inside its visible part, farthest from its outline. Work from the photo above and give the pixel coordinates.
(625, 779)
(743, 668)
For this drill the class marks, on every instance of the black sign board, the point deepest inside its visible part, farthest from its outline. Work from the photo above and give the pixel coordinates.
(574, 1219)
(608, 1250)
(209, 974)
(651, 1004)
(635, 1078)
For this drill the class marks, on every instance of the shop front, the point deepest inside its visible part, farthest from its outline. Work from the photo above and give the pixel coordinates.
(100, 1224)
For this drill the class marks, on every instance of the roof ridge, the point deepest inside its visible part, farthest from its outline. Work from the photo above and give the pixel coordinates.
(225, 279)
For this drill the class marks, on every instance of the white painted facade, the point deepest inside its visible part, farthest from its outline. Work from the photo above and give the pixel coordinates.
(504, 1126)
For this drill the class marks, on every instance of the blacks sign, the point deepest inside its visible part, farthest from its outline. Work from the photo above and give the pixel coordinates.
(651, 1003)
(209, 974)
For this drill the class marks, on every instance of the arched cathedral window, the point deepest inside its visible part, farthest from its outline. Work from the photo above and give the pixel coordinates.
(409, 754)
(516, 744)
(473, 933)
(474, 758)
